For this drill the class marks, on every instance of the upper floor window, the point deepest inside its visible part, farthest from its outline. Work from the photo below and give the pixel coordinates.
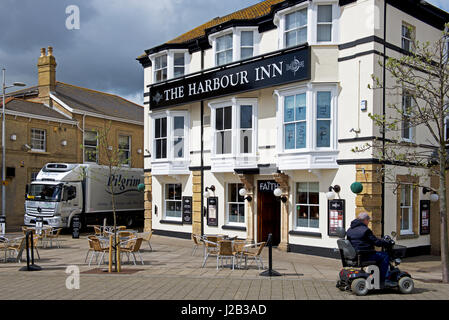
(170, 135)
(246, 44)
(38, 140)
(407, 128)
(160, 68)
(224, 50)
(296, 28)
(90, 147)
(237, 115)
(324, 23)
(124, 146)
(407, 37)
(179, 64)
(307, 119)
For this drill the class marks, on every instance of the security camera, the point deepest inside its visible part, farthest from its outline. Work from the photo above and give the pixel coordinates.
(27, 147)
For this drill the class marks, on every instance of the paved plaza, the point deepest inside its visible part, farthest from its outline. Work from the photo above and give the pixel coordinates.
(171, 272)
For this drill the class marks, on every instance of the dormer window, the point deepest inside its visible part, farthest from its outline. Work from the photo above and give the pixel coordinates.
(234, 44)
(296, 28)
(160, 68)
(169, 64)
(224, 52)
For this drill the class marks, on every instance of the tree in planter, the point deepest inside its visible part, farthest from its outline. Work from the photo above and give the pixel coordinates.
(421, 78)
(114, 158)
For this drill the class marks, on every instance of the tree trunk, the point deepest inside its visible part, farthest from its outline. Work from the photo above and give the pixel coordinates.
(443, 219)
(115, 227)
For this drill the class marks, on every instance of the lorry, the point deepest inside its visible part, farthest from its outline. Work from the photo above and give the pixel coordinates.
(63, 191)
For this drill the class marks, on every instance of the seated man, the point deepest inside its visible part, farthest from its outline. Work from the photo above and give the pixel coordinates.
(363, 239)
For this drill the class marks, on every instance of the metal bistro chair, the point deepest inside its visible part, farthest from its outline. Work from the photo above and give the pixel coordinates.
(253, 252)
(132, 249)
(225, 252)
(197, 242)
(17, 246)
(97, 250)
(53, 234)
(210, 248)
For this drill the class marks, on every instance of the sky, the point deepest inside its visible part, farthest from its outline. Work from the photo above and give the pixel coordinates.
(100, 53)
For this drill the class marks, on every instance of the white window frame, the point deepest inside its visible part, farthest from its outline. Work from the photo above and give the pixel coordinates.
(126, 150)
(43, 141)
(311, 91)
(84, 147)
(157, 70)
(411, 137)
(236, 41)
(410, 208)
(312, 19)
(403, 37)
(227, 203)
(235, 103)
(331, 23)
(295, 215)
(165, 217)
(170, 115)
(170, 63)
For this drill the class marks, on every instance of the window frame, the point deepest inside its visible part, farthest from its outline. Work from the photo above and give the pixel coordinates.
(165, 217)
(311, 100)
(217, 51)
(405, 38)
(227, 203)
(96, 147)
(331, 23)
(170, 63)
(155, 70)
(236, 104)
(297, 29)
(405, 115)
(129, 150)
(41, 141)
(295, 216)
(170, 115)
(411, 209)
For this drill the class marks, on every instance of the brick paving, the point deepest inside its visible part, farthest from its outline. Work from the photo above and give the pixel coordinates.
(171, 272)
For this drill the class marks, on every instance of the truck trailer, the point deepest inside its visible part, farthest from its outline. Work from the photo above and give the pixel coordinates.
(62, 191)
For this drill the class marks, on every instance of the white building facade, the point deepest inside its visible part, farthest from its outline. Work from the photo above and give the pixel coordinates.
(251, 119)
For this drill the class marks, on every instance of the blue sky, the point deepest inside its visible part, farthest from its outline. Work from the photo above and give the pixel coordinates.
(101, 54)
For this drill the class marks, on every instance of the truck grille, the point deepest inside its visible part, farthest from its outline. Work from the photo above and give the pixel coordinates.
(43, 212)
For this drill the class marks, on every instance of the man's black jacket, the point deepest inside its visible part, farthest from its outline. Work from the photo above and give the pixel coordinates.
(362, 238)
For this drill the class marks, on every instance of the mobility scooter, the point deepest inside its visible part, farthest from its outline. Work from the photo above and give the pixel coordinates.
(359, 276)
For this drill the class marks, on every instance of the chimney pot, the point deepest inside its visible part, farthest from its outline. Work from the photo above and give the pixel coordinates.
(43, 52)
(50, 51)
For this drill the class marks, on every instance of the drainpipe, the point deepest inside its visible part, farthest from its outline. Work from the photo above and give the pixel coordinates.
(202, 150)
(84, 122)
(384, 113)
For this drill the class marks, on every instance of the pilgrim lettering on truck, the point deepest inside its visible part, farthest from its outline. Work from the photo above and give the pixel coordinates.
(279, 68)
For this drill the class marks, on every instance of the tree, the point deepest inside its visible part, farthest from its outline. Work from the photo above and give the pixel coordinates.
(114, 158)
(421, 78)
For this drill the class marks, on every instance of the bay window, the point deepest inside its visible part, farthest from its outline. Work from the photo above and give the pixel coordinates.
(169, 64)
(246, 129)
(324, 119)
(324, 23)
(170, 135)
(223, 130)
(179, 64)
(235, 204)
(295, 121)
(307, 205)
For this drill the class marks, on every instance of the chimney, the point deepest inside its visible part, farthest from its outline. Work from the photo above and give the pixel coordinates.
(46, 68)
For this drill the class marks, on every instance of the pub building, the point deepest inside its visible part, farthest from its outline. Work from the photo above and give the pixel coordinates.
(251, 118)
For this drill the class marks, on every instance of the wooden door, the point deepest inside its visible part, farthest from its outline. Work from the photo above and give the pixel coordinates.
(268, 214)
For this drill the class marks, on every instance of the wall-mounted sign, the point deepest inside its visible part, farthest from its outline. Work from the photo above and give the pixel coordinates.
(187, 203)
(424, 210)
(283, 67)
(267, 186)
(212, 211)
(336, 216)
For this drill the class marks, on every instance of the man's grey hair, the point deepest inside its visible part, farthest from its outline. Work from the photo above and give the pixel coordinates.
(363, 216)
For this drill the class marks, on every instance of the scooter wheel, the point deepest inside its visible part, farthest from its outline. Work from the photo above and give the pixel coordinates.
(359, 287)
(406, 285)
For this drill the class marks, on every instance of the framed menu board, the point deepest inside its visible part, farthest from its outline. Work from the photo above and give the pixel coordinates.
(336, 216)
(212, 211)
(187, 203)
(424, 214)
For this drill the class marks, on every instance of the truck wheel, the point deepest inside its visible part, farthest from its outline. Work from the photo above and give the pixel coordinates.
(358, 286)
(406, 285)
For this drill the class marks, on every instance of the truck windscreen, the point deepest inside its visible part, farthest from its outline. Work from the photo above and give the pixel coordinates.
(44, 192)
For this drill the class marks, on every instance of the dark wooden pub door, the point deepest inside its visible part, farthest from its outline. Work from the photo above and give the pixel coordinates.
(268, 212)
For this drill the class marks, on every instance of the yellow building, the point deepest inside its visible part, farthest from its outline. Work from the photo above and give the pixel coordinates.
(56, 122)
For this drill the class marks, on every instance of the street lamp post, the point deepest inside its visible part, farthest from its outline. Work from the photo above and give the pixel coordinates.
(4, 87)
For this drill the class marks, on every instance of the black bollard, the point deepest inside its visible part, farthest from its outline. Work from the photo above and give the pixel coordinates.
(30, 266)
(270, 272)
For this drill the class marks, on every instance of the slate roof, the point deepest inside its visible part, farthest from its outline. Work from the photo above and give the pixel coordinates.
(255, 11)
(32, 108)
(92, 101)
